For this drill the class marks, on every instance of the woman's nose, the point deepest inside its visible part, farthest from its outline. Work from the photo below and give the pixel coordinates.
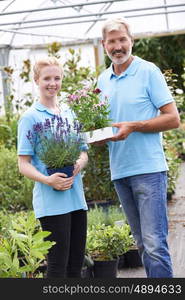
(52, 81)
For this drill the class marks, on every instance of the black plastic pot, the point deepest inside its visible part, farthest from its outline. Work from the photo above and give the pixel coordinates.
(68, 170)
(133, 259)
(87, 272)
(105, 269)
(122, 262)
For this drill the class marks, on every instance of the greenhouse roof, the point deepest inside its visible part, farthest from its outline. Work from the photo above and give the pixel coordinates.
(44, 21)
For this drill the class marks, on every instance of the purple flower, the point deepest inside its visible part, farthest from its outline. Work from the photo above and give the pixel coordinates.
(77, 126)
(47, 124)
(68, 128)
(67, 123)
(56, 141)
(38, 127)
(29, 135)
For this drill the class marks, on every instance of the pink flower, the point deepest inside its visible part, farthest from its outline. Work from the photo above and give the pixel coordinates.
(73, 97)
(83, 92)
(99, 104)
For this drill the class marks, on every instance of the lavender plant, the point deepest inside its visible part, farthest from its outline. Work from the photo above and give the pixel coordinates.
(56, 141)
(91, 111)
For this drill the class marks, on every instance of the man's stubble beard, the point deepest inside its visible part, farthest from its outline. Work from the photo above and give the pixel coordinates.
(122, 60)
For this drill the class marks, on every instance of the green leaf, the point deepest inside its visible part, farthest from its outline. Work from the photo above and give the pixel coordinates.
(40, 235)
(36, 253)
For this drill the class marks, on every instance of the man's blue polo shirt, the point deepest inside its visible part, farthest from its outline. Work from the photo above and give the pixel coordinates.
(135, 95)
(46, 201)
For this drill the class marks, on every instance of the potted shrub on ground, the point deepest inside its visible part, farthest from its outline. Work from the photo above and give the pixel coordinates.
(132, 257)
(125, 258)
(105, 244)
(87, 268)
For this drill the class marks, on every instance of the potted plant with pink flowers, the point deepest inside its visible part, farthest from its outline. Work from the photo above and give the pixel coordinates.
(92, 112)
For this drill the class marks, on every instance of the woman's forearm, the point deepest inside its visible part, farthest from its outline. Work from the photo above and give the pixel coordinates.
(28, 170)
(83, 159)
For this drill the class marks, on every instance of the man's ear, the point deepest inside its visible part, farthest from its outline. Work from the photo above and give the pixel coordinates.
(103, 43)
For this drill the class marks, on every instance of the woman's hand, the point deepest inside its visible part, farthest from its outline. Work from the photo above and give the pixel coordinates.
(77, 167)
(80, 163)
(60, 181)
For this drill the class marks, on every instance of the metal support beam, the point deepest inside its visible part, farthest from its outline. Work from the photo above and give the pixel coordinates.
(82, 42)
(58, 7)
(166, 16)
(96, 14)
(4, 59)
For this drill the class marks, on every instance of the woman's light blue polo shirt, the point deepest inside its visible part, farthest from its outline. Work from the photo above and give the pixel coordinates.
(46, 201)
(135, 95)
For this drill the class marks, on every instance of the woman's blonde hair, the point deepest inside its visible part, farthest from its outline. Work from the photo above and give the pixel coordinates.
(44, 62)
(115, 24)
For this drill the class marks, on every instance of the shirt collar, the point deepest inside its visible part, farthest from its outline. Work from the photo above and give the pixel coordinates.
(41, 107)
(131, 70)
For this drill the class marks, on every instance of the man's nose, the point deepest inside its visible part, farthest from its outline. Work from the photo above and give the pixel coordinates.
(118, 45)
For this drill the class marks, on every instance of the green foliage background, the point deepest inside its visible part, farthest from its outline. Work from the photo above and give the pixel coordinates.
(167, 52)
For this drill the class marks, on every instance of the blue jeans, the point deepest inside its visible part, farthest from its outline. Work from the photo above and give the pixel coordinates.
(143, 198)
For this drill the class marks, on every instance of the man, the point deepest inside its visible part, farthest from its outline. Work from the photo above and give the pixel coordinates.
(141, 108)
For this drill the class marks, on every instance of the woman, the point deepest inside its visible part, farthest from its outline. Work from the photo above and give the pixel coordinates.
(62, 212)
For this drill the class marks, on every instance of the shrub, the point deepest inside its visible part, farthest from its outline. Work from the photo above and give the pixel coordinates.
(15, 189)
(23, 246)
(171, 146)
(108, 242)
(97, 182)
(5, 134)
(98, 215)
(8, 133)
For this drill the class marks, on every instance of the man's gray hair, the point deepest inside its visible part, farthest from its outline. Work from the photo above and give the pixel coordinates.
(115, 24)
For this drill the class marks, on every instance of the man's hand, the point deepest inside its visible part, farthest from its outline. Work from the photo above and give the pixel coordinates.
(125, 128)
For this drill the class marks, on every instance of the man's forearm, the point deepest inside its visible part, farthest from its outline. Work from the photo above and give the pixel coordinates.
(161, 123)
(168, 119)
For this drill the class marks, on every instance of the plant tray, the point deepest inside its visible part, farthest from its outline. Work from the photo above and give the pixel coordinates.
(98, 135)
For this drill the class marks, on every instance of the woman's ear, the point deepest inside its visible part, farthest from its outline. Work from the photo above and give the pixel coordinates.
(36, 80)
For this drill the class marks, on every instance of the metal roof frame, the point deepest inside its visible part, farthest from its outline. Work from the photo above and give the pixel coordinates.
(102, 13)
(60, 7)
